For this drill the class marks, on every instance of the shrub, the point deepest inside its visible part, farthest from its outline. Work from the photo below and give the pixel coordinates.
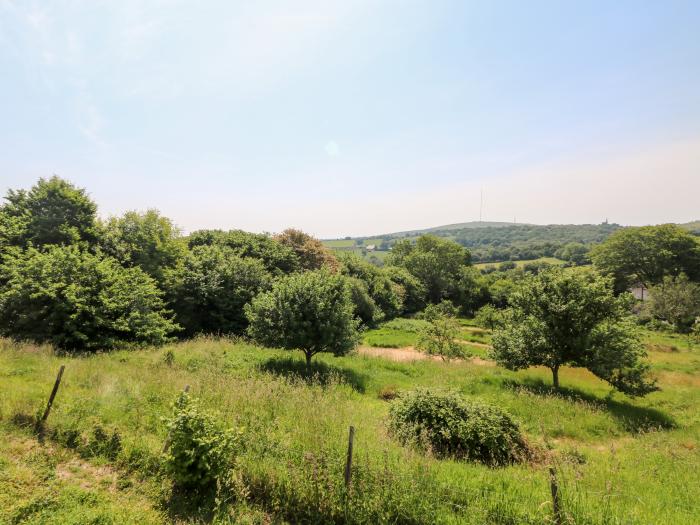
(201, 454)
(76, 300)
(449, 426)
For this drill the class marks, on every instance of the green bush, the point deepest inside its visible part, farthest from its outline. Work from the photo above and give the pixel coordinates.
(77, 300)
(449, 426)
(201, 454)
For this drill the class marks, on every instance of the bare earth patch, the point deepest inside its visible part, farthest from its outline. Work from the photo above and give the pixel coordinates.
(409, 353)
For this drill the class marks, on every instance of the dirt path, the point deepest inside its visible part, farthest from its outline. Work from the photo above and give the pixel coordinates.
(408, 353)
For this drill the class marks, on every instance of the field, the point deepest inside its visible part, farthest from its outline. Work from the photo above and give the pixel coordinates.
(618, 460)
(520, 264)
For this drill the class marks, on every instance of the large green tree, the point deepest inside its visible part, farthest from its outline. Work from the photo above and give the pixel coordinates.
(209, 289)
(310, 311)
(277, 257)
(564, 318)
(437, 263)
(53, 211)
(648, 254)
(147, 240)
(77, 300)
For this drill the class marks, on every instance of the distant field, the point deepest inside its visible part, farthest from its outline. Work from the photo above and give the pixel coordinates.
(520, 264)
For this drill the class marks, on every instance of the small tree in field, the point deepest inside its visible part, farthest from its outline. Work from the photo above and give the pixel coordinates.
(572, 318)
(439, 337)
(310, 311)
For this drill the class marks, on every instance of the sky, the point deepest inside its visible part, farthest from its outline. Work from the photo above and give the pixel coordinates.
(357, 117)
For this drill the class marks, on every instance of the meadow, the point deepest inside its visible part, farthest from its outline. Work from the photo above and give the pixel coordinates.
(618, 460)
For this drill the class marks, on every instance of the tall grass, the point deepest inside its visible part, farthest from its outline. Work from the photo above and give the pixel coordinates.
(620, 460)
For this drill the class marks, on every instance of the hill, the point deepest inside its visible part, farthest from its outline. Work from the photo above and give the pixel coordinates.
(492, 241)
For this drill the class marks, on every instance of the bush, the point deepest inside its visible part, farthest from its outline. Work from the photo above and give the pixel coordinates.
(76, 300)
(201, 454)
(449, 426)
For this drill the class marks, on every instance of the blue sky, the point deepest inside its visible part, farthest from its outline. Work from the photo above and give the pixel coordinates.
(360, 116)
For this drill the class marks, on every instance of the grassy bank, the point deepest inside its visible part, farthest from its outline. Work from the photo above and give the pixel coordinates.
(619, 460)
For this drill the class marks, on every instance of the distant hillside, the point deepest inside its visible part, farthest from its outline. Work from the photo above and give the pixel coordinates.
(490, 241)
(496, 241)
(692, 226)
(449, 227)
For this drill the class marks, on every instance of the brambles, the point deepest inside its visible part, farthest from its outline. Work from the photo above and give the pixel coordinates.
(449, 426)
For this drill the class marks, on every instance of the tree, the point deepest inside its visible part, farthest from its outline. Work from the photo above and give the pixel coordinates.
(647, 254)
(310, 311)
(53, 211)
(676, 300)
(437, 263)
(277, 257)
(210, 288)
(562, 318)
(77, 300)
(146, 240)
(411, 289)
(489, 317)
(311, 252)
(439, 336)
(574, 252)
(386, 294)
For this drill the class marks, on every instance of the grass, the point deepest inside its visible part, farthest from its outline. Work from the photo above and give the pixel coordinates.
(619, 460)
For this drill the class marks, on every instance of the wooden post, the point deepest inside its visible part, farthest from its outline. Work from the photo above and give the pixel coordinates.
(53, 395)
(556, 504)
(348, 462)
(166, 444)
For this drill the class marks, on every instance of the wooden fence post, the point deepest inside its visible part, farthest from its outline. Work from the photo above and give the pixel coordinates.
(348, 462)
(556, 503)
(166, 444)
(53, 394)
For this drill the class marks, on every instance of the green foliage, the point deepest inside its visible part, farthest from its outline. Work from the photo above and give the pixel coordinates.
(648, 254)
(79, 301)
(209, 289)
(575, 253)
(145, 240)
(412, 291)
(53, 211)
(437, 263)
(385, 294)
(277, 257)
(676, 300)
(449, 426)
(439, 336)
(201, 454)
(311, 312)
(489, 317)
(365, 309)
(311, 252)
(572, 318)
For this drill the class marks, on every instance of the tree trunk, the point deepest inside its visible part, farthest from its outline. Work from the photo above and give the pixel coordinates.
(555, 376)
(308, 356)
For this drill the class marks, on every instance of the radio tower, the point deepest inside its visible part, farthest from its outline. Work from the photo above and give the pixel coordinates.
(481, 203)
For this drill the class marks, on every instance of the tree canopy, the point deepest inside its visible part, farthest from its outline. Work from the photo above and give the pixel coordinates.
(310, 311)
(76, 300)
(311, 252)
(569, 318)
(647, 254)
(210, 288)
(53, 211)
